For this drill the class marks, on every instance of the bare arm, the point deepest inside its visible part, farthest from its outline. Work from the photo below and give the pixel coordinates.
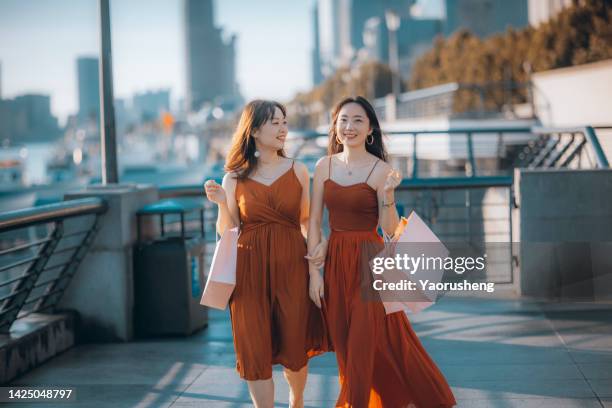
(388, 217)
(316, 206)
(316, 247)
(302, 174)
(224, 197)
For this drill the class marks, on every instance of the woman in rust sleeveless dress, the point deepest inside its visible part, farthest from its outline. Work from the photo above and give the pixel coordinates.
(381, 361)
(267, 195)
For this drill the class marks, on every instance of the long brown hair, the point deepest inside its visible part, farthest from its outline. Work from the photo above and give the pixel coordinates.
(377, 148)
(241, 157)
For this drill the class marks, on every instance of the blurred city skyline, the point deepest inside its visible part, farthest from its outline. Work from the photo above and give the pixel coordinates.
(148, 49)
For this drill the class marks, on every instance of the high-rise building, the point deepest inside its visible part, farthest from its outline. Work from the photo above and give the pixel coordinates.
(414, 38)
(317, 76)
(341, 25)
(229, 87)
(148, 105)
(484, 17)
(211, 72)
(334, 34)
(363, 10)
(88, 88)
(28, 118)
(541, 11)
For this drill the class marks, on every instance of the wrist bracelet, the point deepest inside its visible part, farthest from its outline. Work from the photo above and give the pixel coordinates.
(388, 205)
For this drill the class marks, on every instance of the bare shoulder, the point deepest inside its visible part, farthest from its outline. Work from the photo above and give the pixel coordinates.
(323, 161)
(230, 179)
(322, 165)
(300, 169)
(382, 169)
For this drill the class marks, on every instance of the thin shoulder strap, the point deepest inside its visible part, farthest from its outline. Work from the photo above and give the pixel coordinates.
(329, 168)
(373, 167)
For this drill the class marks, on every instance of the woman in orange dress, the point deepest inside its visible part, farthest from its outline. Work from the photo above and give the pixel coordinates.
(267, 195)
(381, 361)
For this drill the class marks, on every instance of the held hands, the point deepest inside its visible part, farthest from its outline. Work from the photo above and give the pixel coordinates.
(317, 259)
(394, 178)
(315, 287)
(214, 192)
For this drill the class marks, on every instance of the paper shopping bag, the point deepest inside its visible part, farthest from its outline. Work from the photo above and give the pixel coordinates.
(415, 232)
(222, 273)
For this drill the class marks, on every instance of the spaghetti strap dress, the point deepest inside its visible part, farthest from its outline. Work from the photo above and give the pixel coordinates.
(273, 319)
(381, 361)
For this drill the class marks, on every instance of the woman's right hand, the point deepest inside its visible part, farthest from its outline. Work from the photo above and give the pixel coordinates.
(214, 192)
(315, 290)
(317, 259)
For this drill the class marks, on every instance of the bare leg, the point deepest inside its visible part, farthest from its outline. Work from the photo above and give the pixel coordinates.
(297, 383)
(262, 393)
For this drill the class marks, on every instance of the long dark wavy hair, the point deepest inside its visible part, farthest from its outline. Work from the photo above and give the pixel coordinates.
(241, 156)
(377, 148)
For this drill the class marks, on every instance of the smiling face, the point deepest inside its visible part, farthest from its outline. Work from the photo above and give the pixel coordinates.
(272, 134)
(353, 125)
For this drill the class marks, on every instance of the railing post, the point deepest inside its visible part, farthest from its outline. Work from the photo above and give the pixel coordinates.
(202, 227)
(9, 311)
(54, 291)
(600, 157)
(108, 137)
(415, 160)
(471, 155)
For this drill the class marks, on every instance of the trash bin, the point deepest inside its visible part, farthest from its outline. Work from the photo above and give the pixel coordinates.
(169, 270)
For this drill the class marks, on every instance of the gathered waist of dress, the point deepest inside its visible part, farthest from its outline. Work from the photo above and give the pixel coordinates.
(339, 232)
(252, 226)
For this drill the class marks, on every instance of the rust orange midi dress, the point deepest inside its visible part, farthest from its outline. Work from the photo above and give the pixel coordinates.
(381, 361)
(273, 319)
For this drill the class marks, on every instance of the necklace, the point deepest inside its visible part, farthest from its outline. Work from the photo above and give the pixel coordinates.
(260, 173)
(348, 169)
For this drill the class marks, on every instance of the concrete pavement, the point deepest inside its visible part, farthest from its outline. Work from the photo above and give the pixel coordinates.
(494, 353)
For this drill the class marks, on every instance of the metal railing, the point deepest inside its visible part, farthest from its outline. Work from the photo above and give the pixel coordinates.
(508, 147)
(563, 147)
(474, 212)
(456, 99)
(462, 145)
(40, 250)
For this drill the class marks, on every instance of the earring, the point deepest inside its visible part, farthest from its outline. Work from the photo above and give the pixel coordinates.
(370, 139)
(256, 154)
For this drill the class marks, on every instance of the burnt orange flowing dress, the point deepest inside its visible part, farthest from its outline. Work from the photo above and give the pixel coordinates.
(273, 319)
(381, 361)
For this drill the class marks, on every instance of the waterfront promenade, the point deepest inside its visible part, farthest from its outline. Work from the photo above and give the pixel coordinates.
(494, 352)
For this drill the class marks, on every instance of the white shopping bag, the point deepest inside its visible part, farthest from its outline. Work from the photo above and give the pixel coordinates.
(222, 273)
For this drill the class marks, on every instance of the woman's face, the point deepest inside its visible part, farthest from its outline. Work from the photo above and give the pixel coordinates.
(273, 132)
(353, 125)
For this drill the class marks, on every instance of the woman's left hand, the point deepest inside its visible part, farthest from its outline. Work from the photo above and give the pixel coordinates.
(394, 178)
(317, 258)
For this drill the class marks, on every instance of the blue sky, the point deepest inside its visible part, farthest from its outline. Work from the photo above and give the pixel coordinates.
(41, 39)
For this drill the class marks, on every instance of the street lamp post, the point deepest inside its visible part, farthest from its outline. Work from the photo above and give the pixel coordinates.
(108, 136)
(393, 23)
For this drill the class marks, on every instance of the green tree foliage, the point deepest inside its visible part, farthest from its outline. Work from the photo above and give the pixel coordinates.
(579, 34)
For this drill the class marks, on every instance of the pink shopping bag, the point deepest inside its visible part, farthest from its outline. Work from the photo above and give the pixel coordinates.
(414, 230)
(222, 273)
